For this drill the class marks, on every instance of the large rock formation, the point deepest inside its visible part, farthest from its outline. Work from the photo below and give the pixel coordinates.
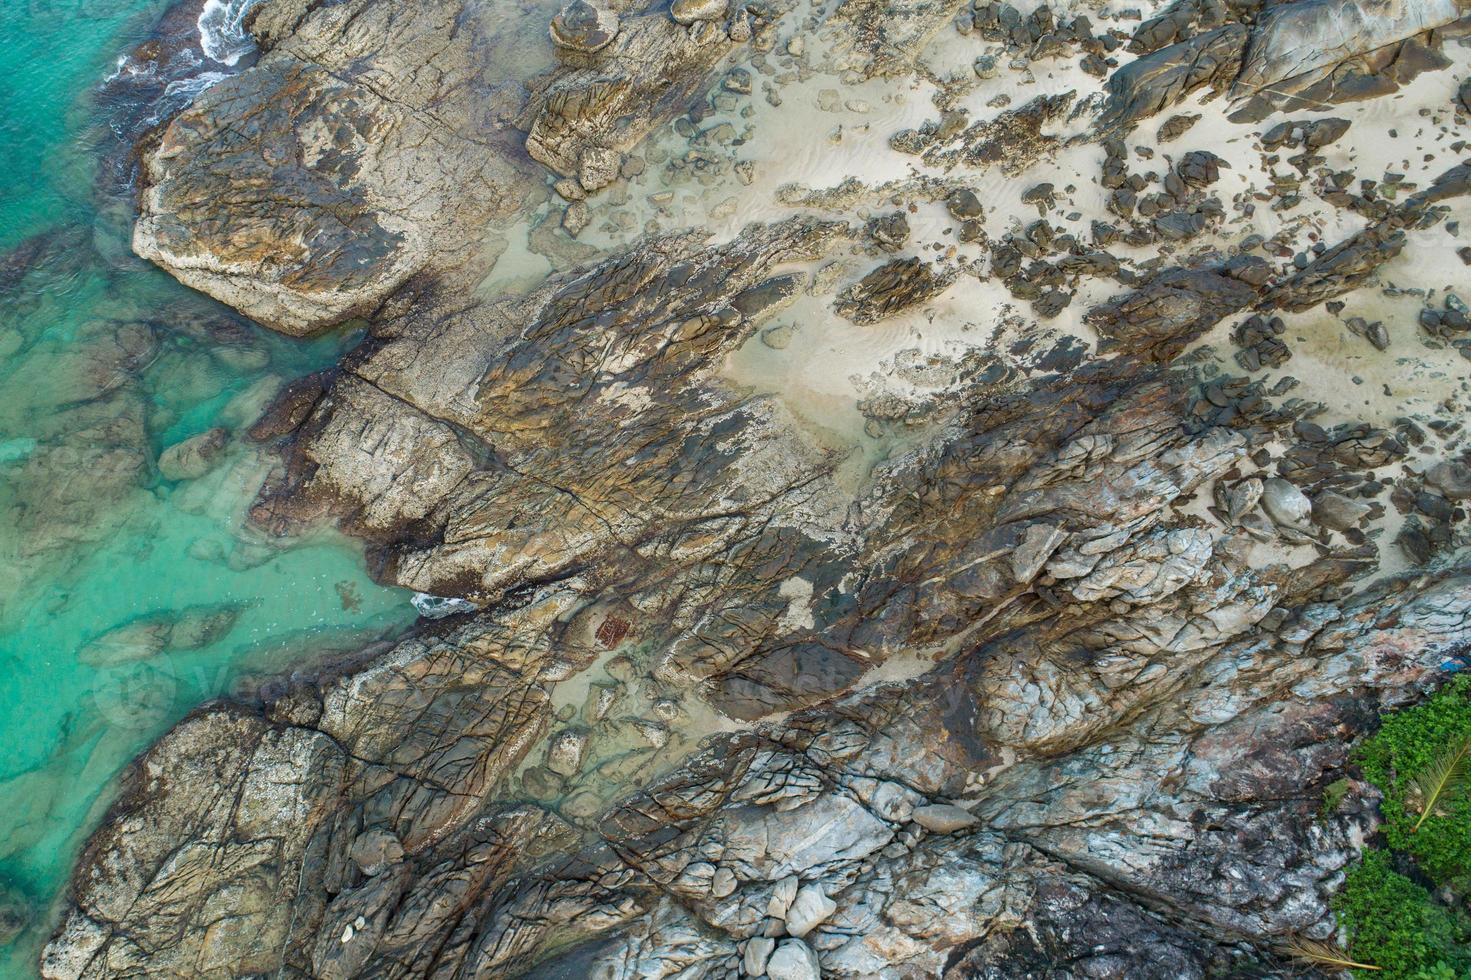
(1054, 689)
(372, 142)
(1291, 49)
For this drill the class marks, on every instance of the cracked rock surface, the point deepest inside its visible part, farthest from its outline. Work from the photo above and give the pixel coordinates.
(1010, 633)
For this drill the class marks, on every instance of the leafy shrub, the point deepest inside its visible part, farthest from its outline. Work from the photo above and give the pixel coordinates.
(1421, 760)
(1394, 924)
(1407, 750)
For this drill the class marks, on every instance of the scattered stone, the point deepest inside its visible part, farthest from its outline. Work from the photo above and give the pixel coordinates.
(1337, 512)
(1312, 134)
(793, 960)
(576, 218)
(1451, 478)
(971, 230)
(1285, 504)
(1040, 196)
(945, 818)
(1415, 542)
(890, 232)
(694, 11)
(1260, 337)
(1176, 126)
(1376, 333)
(569, 190)
(757, 954)
(1243, 498)
(963, 204)
(723, 883)
(1200, 168)
(810, 908)
(783, 893)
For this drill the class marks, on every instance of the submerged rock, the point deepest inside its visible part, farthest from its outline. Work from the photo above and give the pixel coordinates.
(584, 27)
(189, 629)
(15, 915)
(194, 457)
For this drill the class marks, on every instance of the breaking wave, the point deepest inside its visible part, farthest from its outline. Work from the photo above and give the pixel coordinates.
(222, 32)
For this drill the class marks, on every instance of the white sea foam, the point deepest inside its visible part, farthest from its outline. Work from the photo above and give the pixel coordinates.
(188, 88)
(179, 95)
(122, 66)
(222, 32)
(438, 607)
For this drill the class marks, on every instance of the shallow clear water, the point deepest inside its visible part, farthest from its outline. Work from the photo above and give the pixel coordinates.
(126, 598)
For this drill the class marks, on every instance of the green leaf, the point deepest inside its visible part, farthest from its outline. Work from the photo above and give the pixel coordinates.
(1447, 773)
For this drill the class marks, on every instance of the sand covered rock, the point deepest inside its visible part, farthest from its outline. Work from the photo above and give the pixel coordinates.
(564, 484)
(692, 11)
(1300, 38)
(889, 289)
(1289, 54)
(1175, 307)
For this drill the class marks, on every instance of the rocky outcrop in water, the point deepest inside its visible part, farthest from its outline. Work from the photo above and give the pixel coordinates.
(369, 143)
(1054, 689)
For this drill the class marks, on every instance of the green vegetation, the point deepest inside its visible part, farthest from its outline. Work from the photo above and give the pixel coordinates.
(1333, 795)
(1402, 758)
(1395, 924)
(1393, 904)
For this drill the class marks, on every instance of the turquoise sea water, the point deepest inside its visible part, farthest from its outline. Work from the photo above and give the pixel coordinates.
(126, 599)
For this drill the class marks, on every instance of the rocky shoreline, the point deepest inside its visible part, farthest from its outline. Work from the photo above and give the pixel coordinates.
(880, 569)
